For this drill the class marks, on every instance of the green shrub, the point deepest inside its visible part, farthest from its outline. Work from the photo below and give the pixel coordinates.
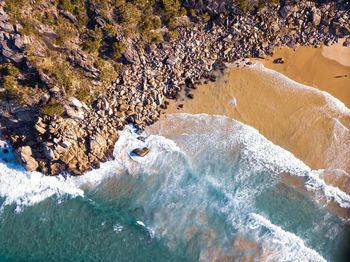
(108, 71)
(9, 83)
(118, 49)
(82, 94)
(205, 17)
(157, 22)
(92, 40)
(27, 29)
(129, 14)
(173, 35)
(53, 108)
(61, 76)
(12, 70)
(243, 5)
(171, 9)
(111, 31)
(66, 5)
(157, 38)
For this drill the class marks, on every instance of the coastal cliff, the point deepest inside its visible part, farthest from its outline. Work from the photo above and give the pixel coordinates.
(73, 73)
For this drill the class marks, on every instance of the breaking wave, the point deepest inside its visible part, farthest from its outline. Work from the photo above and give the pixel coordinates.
(210, 185)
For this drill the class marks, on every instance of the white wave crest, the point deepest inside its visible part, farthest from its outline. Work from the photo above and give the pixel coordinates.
(284, 246)
(29, 188)
(255, 149)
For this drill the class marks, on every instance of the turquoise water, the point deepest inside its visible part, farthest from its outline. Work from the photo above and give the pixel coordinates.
(210, 188)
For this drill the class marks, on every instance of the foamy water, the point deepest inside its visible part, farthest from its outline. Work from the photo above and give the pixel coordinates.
(208, 184)
(210, 188)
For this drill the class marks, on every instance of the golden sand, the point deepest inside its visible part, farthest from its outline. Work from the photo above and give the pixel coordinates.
(310, 124)
(326, 68)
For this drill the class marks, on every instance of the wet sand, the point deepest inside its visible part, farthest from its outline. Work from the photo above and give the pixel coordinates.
(312, 125)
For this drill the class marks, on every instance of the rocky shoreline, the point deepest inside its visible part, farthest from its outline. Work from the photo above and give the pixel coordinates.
(85, 135)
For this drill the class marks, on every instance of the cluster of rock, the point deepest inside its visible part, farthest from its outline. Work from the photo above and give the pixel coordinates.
(84, 136)
(12, 42)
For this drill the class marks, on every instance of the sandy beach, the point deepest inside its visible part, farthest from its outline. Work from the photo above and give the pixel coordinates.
(326, 68)
(313, 125)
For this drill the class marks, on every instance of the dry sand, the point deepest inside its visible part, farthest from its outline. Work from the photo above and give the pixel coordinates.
(313, 125)
(326, 68)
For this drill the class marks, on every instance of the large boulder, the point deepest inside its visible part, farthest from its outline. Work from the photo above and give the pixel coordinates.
(98, 145)
(24, 156)
(131, 54)
(140, 152)
(285, 11)
(172, 60)
(316, 17)
(74, 113)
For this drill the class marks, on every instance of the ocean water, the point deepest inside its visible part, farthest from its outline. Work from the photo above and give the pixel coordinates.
(211, 188)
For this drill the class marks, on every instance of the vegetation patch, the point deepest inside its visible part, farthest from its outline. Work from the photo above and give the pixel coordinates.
(53, 108)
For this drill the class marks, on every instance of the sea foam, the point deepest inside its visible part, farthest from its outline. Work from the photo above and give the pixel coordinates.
(181, 197)
(29, 188)
(283, 246)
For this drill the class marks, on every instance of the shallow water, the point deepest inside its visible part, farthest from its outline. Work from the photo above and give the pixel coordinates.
(210, 188)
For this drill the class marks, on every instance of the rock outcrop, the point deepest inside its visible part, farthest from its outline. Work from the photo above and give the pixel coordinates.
(140, 152)
(84, 135)
(24, 156)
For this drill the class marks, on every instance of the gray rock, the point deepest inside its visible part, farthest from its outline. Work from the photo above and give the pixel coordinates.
(14, 56)
(41, 130)
(97, 145)
(46, 30)
(70, 16)
(7, 27)
(285, 11)
(66, 144)
(81, 59)
(20, 42)
(49, 153)
(75, 103)
(131, 55)
(279, 60)
(74, 114)
(172, 60)
(261, 53)
(18, 28)
(55, 90)
(44, 78)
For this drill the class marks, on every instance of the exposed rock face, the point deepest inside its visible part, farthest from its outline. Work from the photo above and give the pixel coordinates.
(131, 54)
(84, 135)
(86, 62)
(285, 11)
(12, 43)
(70, 16)
(24, 156)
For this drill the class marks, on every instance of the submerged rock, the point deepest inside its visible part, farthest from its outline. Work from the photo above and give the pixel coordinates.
(140, 152)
